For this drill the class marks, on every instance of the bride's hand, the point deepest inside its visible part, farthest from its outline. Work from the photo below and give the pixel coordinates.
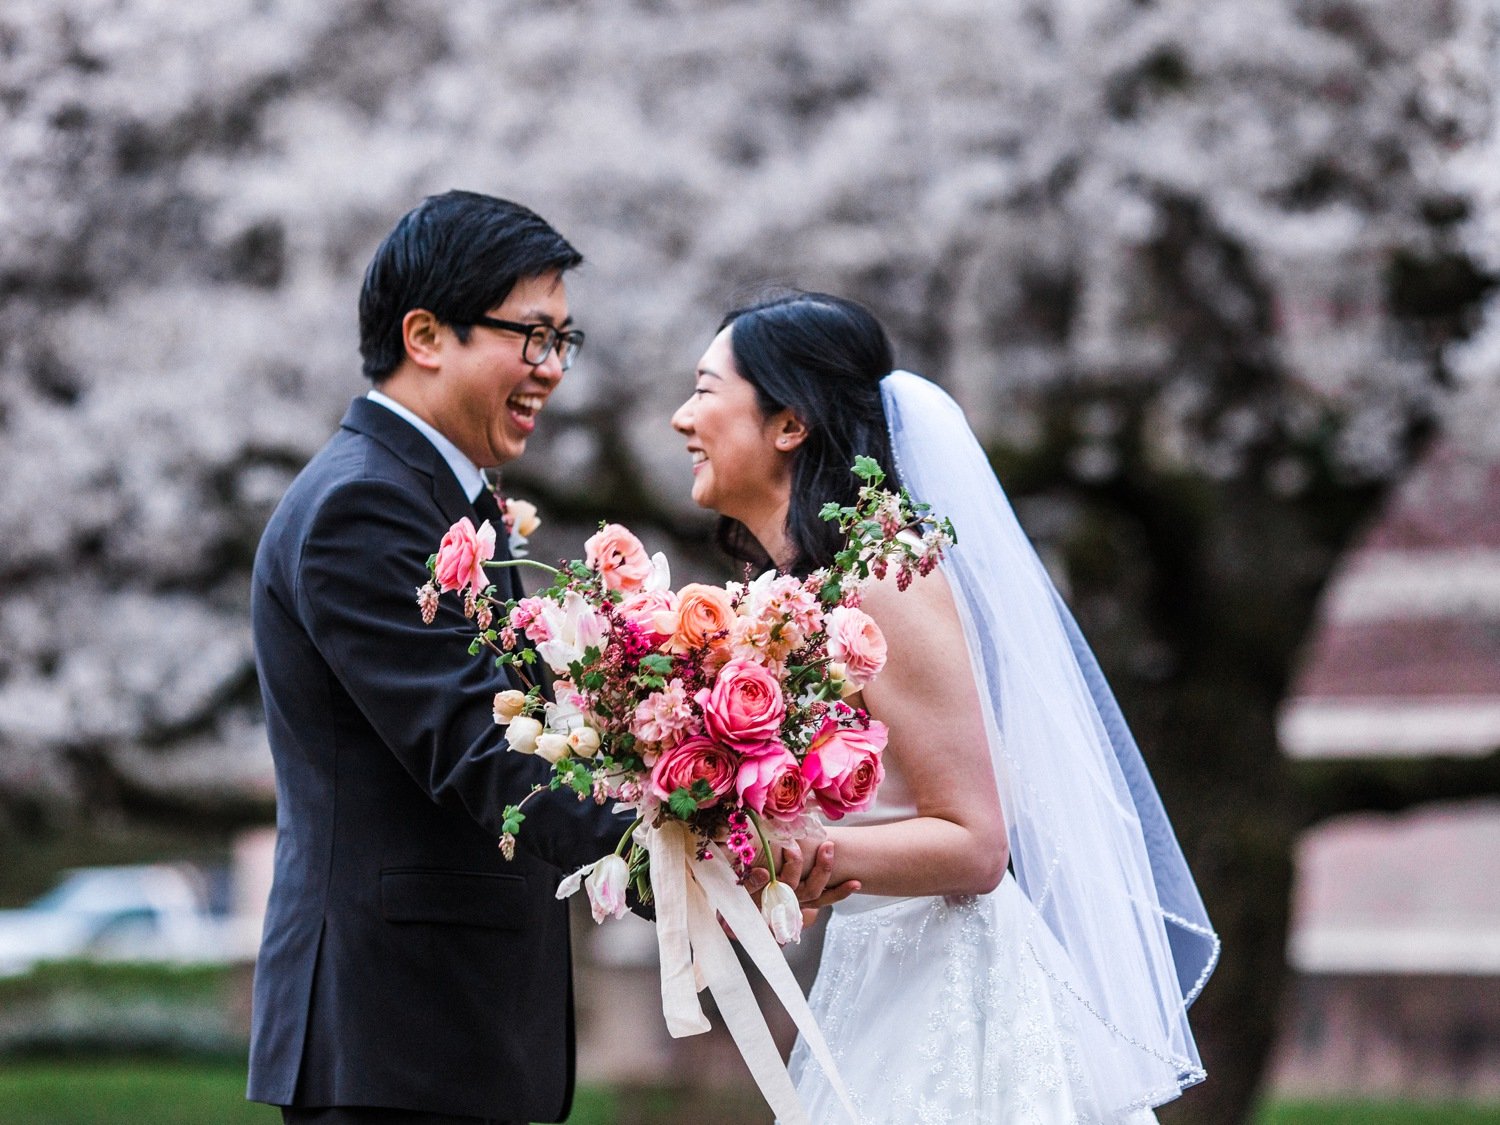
(807, 875)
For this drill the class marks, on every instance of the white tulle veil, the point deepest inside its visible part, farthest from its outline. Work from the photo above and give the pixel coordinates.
(1091, 846)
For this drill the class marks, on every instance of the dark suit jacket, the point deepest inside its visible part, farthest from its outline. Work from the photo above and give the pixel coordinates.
(405, 962)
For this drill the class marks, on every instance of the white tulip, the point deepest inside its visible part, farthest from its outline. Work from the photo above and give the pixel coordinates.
(605, 886)
(782, 912)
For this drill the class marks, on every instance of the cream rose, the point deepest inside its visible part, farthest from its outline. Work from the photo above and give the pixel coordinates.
(552, 746)
(522, 517)
(509, 705)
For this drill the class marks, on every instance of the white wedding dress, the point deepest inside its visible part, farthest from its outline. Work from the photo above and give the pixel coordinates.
(947, 1010)
(1061, 997)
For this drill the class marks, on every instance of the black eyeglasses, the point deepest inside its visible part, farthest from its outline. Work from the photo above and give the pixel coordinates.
(540, 340)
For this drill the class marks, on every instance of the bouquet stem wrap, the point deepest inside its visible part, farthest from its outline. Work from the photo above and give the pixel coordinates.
(690, 894)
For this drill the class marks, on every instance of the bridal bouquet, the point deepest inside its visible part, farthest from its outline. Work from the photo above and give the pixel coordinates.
(721, 707)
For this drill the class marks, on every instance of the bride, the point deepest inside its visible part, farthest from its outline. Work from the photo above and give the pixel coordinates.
(1026, 937)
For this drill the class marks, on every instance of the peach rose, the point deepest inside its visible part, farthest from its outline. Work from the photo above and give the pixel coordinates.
(508, 705)
(462, 555)
(856, 642)
(744, 708)
(704, 615)
(772, 784)
(691, 759)
(843, 767)
(618, 557)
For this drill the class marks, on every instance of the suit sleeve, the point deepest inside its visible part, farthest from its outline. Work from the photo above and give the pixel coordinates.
(364, 556)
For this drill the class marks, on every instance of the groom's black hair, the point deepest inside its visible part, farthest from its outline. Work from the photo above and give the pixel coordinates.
(823, 358)
(457, 255)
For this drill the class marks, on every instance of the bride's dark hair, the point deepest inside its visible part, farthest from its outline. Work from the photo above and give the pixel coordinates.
(823, 358)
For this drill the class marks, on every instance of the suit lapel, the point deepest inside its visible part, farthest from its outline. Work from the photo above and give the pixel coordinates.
(407, 442)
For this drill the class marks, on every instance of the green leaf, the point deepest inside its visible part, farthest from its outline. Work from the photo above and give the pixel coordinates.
(829, 511)
(868, 469)
(682, 803)
(474, 646)
(656, 662)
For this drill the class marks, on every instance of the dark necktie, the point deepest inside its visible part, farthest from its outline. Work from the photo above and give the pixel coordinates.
(486, 507)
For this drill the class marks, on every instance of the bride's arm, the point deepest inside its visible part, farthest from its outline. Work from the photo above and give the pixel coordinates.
(956, 844)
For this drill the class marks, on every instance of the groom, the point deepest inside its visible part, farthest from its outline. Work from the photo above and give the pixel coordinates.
(408, 972)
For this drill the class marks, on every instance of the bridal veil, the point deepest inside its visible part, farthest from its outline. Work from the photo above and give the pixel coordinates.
(1090, 843)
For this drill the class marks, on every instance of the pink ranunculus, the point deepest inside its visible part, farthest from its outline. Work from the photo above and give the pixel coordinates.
(772, 784)
(856, 642)
(526, 616)
(643, 609)
(843, 767)
(691, 759)
(462, 555)
(744, 708)
(618, 557)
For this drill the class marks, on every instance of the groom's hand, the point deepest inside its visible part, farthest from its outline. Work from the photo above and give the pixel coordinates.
(808, 874)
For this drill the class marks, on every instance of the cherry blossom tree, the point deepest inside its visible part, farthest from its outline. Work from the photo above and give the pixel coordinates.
(1206, 276)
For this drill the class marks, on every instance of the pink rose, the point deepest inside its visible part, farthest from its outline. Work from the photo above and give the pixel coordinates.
(843, 767)
(618, 557)
(744, 708)
(772, 784)
(856, 642)
(691, 759)
(462, 554)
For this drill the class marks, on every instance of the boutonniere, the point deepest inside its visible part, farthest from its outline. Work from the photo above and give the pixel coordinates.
(521, 522)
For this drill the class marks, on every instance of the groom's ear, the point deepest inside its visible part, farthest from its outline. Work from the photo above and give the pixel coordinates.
(790, 430)
(421, 335)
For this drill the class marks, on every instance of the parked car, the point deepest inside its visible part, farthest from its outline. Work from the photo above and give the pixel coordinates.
(143, 913)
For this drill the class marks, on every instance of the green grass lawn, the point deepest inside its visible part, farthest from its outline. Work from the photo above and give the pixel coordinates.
(153, 1092)
(156, 1092)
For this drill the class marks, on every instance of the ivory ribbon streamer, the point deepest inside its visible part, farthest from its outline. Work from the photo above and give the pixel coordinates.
(689, 893)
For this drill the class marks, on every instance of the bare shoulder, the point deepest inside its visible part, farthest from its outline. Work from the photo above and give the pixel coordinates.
(921, 624)
(923, 607)
(927, 666)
